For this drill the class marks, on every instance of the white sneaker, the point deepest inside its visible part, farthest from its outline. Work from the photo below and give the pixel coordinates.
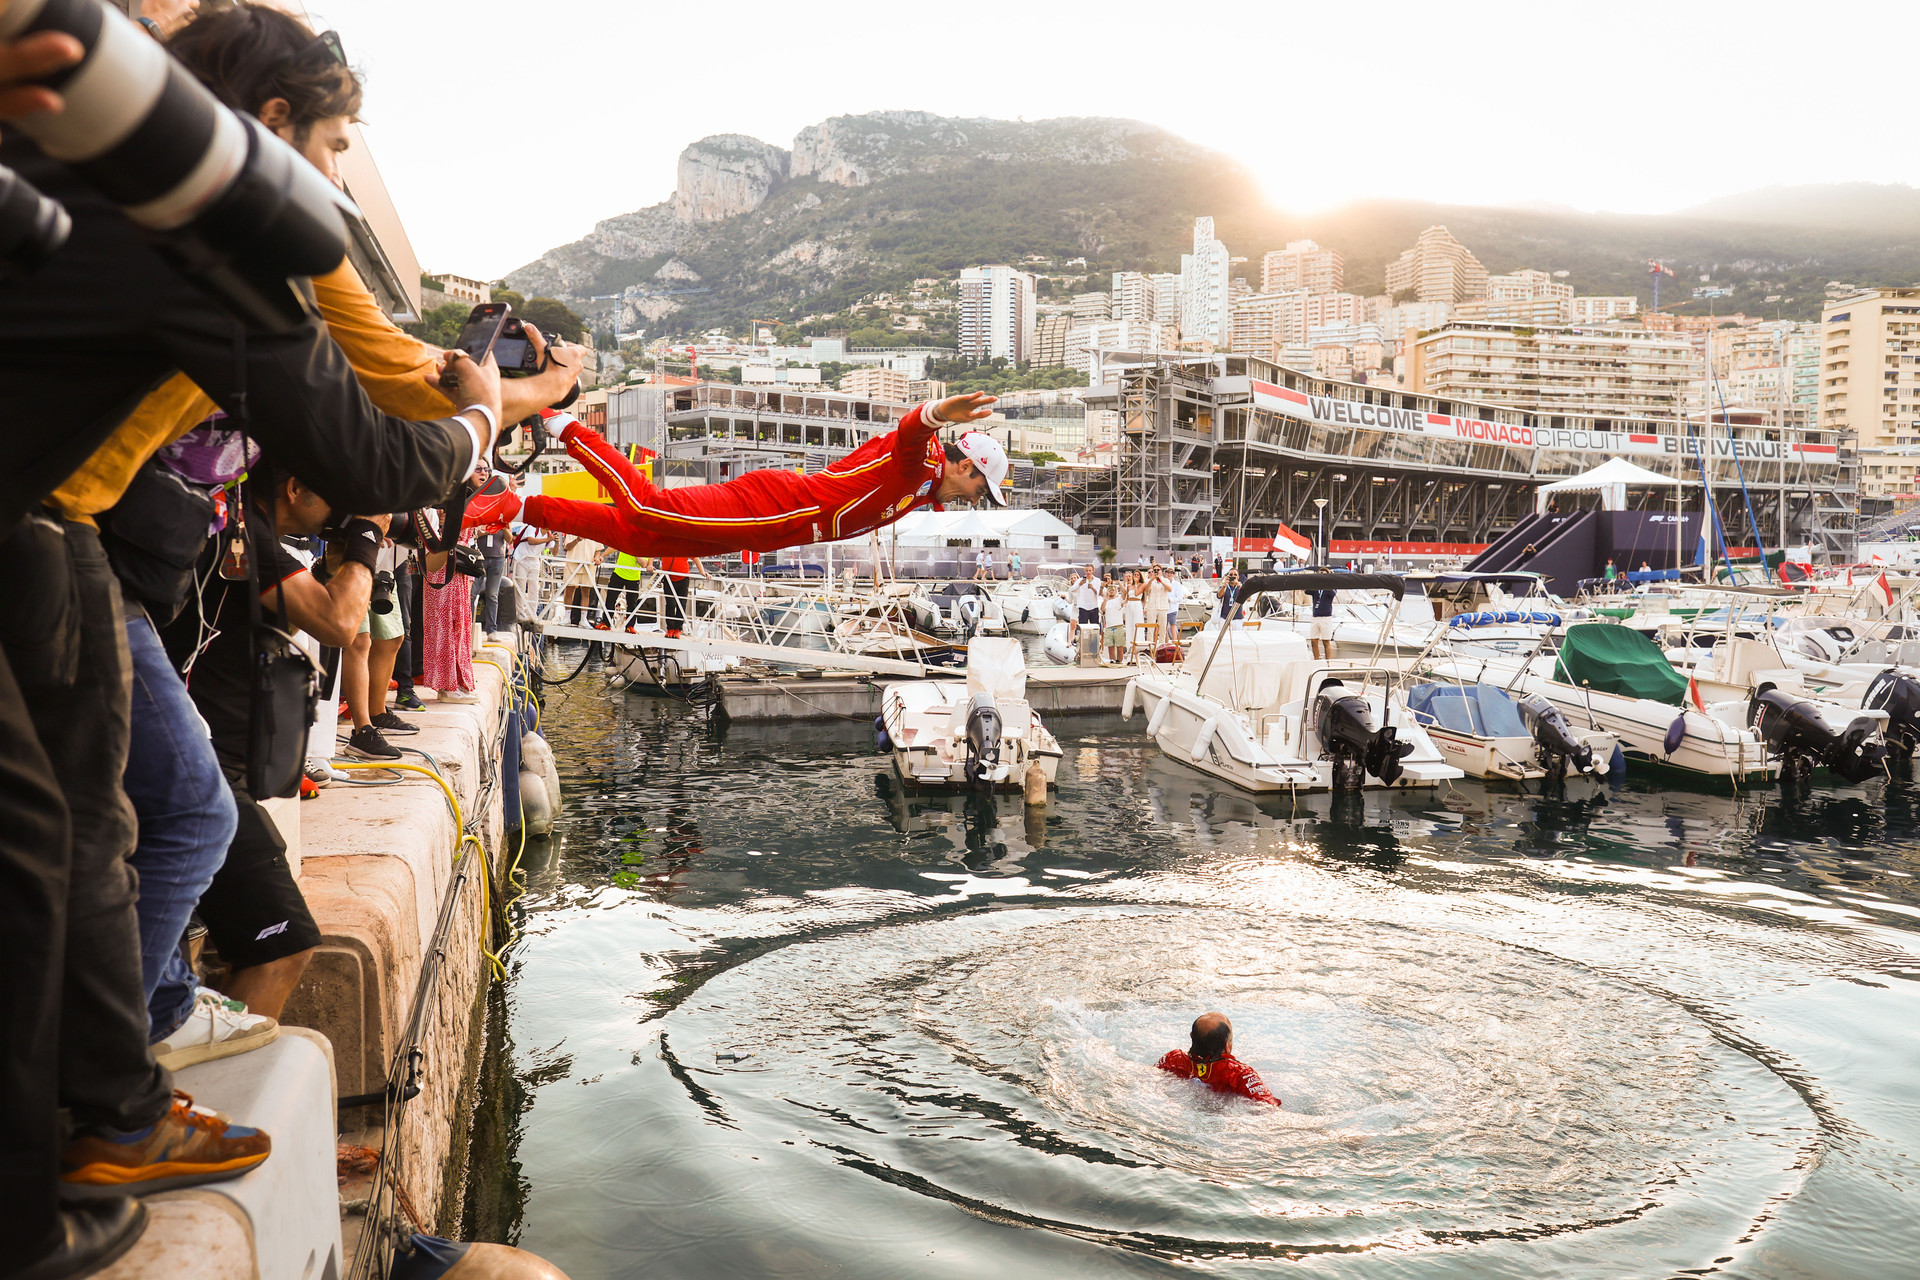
(217, 1028)
(454, 695)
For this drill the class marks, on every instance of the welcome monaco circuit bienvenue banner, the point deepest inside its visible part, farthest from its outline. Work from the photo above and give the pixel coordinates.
(1331, 411)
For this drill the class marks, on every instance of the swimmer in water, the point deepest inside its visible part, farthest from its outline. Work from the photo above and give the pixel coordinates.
(1211, 1059)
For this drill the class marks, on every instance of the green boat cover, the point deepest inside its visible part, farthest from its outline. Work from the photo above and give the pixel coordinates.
(1616, 659)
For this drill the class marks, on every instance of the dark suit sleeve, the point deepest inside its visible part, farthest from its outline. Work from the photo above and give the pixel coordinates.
(311, 416)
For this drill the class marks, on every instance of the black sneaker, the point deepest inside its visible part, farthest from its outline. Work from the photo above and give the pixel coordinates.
(367, 744)
(406, 701)
(387, 722)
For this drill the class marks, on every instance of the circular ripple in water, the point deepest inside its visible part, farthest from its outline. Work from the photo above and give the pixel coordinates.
(1439, 1087)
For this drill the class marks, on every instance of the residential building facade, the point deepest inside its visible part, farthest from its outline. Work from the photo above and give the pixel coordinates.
(1205, 288)
(1870, 380)
(1437, 269)
(1302, 265)
(876, 384)
(1596, 309)
(996, 313)
(1133, 297)
(1607, 374)
(1050, 338)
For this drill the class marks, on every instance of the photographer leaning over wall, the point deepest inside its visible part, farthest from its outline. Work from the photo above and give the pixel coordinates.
(100, 316)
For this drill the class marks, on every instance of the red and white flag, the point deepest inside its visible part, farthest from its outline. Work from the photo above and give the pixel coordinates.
(1286, 540)
(1883, 589)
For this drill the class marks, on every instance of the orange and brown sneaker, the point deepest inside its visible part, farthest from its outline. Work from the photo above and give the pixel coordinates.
(187, 1147)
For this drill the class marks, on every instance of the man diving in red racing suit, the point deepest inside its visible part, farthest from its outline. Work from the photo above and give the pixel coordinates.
(1212, 1060)
(766, 510)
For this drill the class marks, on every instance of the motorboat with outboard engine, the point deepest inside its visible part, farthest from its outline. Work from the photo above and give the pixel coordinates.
(966, 609)
(1487, 734)
(981, 734)
(1032, 605)
(1254, 707)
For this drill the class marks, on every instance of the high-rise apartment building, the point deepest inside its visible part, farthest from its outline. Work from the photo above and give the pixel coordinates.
(1166, 298)
(875, 383)
(1402, 322)
(1514, 311)
(1870, 367)
(1088, 307)
(1334, 308)
(1527, 286)
(1302, 265)
(1133, 297)
(1266, 321)
(1050, 338)
(1623, 375)
(996, 314)
(1437, 269)
(1205, 289)
(1599, 309)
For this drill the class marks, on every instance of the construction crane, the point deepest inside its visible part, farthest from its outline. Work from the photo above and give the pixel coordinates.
(1658, 269)
(773, 328)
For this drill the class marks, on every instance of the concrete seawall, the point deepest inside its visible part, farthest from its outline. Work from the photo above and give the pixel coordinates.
(378, 867)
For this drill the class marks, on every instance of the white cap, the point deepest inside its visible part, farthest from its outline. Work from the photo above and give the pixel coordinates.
(989, 459)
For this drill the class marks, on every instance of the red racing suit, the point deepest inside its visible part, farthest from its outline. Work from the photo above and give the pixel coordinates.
(765, 510)
(1228, 1075)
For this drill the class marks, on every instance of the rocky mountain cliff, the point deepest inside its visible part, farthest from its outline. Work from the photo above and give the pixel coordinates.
(868, 202)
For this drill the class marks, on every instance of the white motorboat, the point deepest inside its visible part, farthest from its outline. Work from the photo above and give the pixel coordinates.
(1613, 678)
(1487, 734)
(1256, 709)
(640, 666)
(1032, 605)
(966, 609)
(1059, 644)
(981, 734)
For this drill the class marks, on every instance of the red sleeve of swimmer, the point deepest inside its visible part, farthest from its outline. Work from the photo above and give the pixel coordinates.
(1254, 1087)
(1176, 1061)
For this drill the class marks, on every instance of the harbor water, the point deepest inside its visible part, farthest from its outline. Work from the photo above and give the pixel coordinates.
(770, 1017)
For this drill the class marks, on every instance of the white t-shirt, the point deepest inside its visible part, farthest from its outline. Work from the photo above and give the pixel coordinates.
(984, 560)
(1176, 594)
(1116, 611)
(1088, 596)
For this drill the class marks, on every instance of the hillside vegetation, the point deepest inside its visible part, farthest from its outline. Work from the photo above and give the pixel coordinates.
(869, 203)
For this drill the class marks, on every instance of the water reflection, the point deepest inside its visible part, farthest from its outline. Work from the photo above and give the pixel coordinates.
(776, 1015)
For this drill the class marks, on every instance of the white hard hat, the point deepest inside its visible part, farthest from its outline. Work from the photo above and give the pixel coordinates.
(989, 459)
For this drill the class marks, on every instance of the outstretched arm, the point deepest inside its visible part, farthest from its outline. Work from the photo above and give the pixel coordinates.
(917, 426)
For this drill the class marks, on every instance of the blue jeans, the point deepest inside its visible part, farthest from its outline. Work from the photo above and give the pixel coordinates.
(187, 820)
(490, 587)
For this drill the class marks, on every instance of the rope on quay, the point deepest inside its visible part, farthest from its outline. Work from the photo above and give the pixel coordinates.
(388, 1202)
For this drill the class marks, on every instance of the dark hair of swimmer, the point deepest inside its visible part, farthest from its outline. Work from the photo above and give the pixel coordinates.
(1212, 1037)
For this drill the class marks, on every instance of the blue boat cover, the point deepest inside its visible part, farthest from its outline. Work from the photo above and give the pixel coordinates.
(1505, 618)
(1481, 709)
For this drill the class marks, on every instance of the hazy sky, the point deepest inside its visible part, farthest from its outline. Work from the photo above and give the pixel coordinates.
(507, 129)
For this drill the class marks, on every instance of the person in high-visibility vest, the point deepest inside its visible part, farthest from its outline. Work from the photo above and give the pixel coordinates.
(626, 581)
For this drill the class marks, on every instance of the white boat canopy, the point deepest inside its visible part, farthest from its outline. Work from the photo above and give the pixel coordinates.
(1611, 479)
(1010, 528)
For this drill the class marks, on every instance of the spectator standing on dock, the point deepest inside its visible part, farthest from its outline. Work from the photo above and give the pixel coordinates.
(1113, 616)
(983, 565)
(679, 591)
(581, 585)
(529, 548)
(1229, 593)
(1136, 611)
(1157, 610)
(1013, 564)
(446, 631)
(492, 545)
(1321, 627)
(1086, 601)
(1216, 564)
(1176, 596)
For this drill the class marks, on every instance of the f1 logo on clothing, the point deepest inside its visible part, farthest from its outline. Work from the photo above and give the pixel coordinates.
(270, 930)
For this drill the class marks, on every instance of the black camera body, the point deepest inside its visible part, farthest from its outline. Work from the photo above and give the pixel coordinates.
(514, 352)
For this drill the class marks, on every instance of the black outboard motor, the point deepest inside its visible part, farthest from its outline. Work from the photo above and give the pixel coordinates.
(1345, 727)
(1795, 731)
(1898, 695)
(983, 740)
(1554, 741)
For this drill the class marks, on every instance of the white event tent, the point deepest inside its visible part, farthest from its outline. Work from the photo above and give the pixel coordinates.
(1611, 479)
(1011, 528)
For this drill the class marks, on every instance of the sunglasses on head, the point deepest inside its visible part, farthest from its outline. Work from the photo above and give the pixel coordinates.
(329, 41)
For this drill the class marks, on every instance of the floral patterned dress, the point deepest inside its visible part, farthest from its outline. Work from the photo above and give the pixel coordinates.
(447, 633)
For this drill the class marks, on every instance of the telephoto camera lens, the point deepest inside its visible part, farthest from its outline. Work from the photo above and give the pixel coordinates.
(231, 204)
(32, 227)
(383, 591)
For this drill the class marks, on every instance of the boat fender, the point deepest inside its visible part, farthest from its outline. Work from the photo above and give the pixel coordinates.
(880, 724)
(1159, 716)
(1035, 784)
(882, 742)
(536, 756)
(536, 811)
(1617, 766)
(1127, 699)
(432, 1258)
(1676, 733)
(1204, 739)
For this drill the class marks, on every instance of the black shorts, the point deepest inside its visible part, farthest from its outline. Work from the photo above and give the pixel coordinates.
(253, 910)
(1090, 617)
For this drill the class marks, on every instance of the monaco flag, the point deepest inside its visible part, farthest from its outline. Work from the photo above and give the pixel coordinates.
(1285, 539)
(1883, 589)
